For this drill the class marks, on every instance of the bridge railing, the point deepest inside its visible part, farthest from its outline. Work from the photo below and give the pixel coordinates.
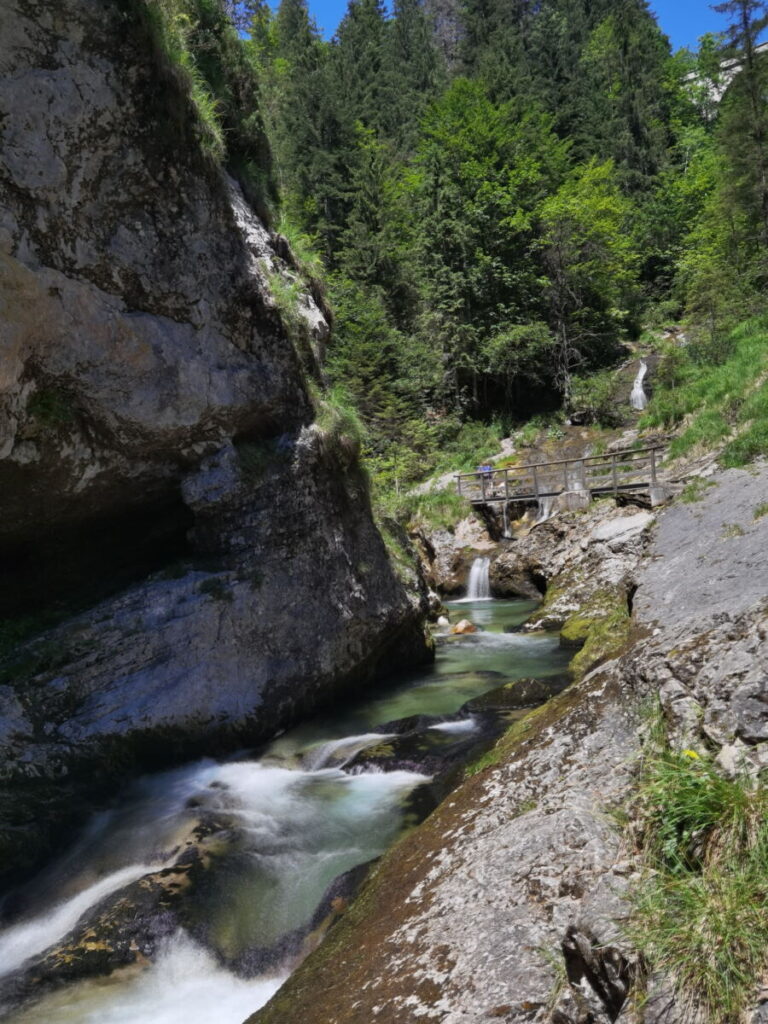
(609, 473)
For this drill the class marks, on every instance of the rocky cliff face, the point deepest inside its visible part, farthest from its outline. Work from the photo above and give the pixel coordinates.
(163, 488)
(509, 903)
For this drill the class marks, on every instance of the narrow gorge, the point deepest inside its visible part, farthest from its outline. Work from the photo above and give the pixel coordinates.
(383, 514)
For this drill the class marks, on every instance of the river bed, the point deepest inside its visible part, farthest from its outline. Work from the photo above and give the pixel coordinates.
(294, 815)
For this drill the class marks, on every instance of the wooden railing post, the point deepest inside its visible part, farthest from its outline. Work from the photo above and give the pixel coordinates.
(638, 464)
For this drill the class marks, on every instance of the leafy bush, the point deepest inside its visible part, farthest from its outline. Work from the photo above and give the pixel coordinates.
(595, 395)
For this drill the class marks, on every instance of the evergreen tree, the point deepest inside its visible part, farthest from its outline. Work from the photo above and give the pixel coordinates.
(743, 130)
(413, 72)
(359, 59)
(626, 116)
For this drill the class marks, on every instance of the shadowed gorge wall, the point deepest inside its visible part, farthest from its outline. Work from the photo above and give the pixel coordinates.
(141, 343)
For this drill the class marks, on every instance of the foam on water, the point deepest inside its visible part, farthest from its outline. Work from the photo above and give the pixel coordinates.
(183, 984)
(298, 825)
(342, 750)
(21, 941)
(464, 726)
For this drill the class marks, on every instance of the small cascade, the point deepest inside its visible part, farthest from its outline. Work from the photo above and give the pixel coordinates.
(464, 725)
(338, 753)
(638, 399)
(479, 586)
(546, 509)
(505, 513)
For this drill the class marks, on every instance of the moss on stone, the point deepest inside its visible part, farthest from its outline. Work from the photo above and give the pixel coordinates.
(575, 630)
(597, 631)
(606, 639)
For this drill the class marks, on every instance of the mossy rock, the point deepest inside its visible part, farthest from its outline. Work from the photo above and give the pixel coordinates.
(597, 631)
(606, 638)
(575, 631)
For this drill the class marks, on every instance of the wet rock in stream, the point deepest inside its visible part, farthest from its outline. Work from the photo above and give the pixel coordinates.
(521, 693)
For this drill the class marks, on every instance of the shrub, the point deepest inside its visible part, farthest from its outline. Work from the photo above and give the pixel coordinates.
(595, 395)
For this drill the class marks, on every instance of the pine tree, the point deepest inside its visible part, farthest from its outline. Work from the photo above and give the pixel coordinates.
(359, 62)
(413, 72)
(744, 125)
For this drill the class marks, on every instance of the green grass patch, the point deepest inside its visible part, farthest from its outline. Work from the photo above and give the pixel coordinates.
(721, 393)
(732, 530)
(171, 25)
(339, 422)
(699, 915)
(435, 510)
(305, 249)
(695, 490)
(761, 510)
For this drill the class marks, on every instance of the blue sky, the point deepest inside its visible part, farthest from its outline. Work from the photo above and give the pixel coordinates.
(682, 20)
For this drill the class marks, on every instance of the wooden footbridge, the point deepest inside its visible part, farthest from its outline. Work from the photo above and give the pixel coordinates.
(633, 469)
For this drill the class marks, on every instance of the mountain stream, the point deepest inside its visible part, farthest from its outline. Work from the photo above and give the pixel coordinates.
(280, 839)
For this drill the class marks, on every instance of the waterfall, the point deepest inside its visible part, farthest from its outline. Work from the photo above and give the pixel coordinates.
(638, 398)
(546, 509)
(505, 514)
(479, 587)
(29, 938)
(338, 753)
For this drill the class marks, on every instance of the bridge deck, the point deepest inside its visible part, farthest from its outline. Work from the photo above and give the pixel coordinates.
(611, 473)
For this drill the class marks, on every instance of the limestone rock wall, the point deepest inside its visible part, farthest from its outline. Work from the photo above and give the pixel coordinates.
(162, 486)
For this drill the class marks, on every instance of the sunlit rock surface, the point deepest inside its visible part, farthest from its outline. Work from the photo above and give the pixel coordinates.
(507, 903)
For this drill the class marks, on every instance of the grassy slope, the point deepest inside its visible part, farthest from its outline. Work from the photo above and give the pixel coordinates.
(718, 397)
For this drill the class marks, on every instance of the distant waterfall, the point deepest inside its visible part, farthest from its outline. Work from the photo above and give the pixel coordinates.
(479, 586)
(638, 398)
(506, 535)
(546, 510)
